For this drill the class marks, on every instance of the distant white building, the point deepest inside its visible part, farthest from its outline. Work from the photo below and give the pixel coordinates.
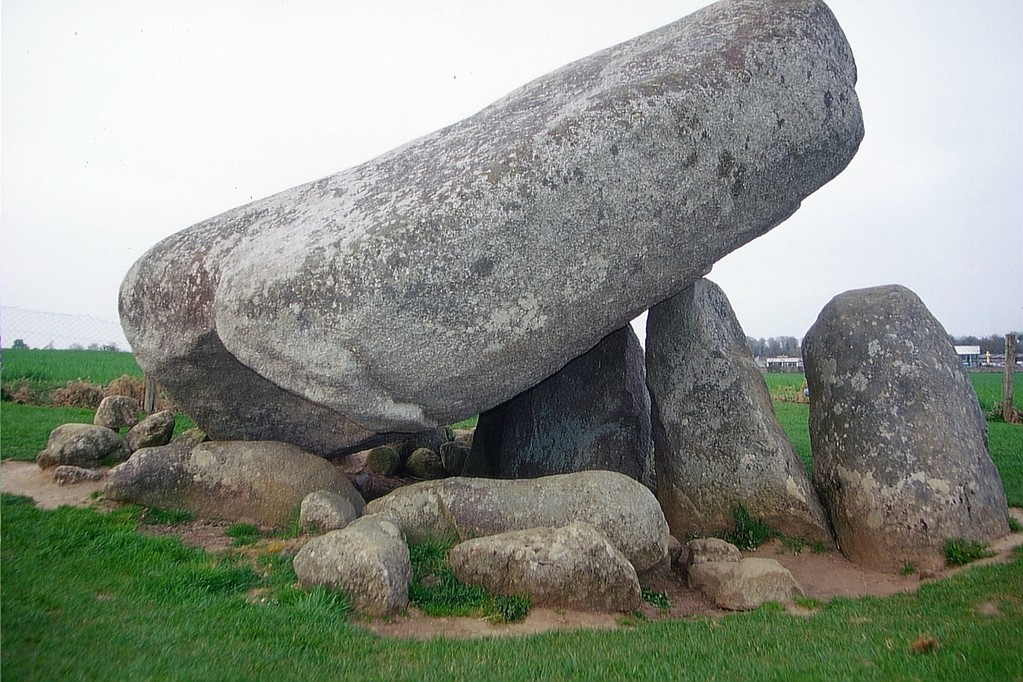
(970, 355)
(784, 364)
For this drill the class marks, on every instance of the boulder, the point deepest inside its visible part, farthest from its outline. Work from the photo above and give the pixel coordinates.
(451, 274)
(623, 510)
(153, 431)
(899, 439)
(425, 463)
(453, 456)
(367, 560)
(705, 550)
(744, 585)
(82, 445)
(432, 439)
(383, 460)
(255, 482)
(572, 567)
(191, 437)
(592, 414)
(717, 441)
(326, 510)
(116, 411)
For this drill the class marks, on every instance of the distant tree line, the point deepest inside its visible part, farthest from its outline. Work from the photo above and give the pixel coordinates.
(776, 346)
(788, 346)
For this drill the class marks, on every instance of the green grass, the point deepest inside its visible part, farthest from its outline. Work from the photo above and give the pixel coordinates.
(960, 551)
(436, 591)
(86, 596)
(48, 369)
(988, 386)
(24, 429)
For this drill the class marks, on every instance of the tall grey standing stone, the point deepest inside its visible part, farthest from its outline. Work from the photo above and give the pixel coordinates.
(899, 441)
(717, 441)
(449, 275)
(593, 414)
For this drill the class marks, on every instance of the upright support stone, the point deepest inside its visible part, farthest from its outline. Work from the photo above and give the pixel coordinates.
(717, 441)
(593, 414)
(899, 440)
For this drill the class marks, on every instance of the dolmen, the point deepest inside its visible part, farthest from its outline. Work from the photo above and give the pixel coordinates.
(447, 276)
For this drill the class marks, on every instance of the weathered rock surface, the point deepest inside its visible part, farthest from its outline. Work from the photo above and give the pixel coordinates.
(704, 550)
(425, 463)
(116, 411)
(255, 482)
(82, 445)
(383, 460)
(744, 585)
(66, 474)
(326, 510)
(368, 560)
(899, 439)
(191, 437)
(449, 275)
(717, 440)
(453, 456)
(573, 567)
(592, 414)
(623, 510)
(153, 431)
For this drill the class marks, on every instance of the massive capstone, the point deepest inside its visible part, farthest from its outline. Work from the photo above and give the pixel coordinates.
(444, 277)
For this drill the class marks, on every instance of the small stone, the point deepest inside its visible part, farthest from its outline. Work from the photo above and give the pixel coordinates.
(424, 463)
(453, 455)
(66, 474)
(116, 411)
(325, 510)
(383, 460)
(153, 431)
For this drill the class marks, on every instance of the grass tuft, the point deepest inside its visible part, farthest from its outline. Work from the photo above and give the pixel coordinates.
(960, 551)
(244, 534)
(659, 600)
(749, 533)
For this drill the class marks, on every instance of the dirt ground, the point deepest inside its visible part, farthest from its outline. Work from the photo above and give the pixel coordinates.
(822, 576)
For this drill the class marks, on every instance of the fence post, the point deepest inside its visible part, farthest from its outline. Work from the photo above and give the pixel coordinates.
(149, 401)
(1008, 408)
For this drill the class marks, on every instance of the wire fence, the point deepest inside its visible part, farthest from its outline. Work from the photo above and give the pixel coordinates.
(37, 329)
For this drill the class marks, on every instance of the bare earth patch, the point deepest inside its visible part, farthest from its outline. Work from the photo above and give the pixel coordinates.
(822, 576)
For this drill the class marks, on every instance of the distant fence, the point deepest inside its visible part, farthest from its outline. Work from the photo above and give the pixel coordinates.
(38, 329)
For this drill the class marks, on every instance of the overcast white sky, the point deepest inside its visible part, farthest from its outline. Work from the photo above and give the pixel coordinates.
(125, 121)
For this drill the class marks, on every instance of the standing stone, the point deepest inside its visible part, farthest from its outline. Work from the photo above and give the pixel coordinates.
(899, 440)
(116, 411)
(717, 440)
(451, 274)
(593, 414)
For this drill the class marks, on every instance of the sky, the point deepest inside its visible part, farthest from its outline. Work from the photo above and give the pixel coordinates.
(126, 121)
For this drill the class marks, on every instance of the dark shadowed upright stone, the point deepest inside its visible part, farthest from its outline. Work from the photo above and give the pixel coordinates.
(899, 441)
(449, 275)
(717, 441)
(593, 414)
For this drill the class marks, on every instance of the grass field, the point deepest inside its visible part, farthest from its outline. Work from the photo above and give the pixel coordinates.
(86, 596)
(44, 370)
